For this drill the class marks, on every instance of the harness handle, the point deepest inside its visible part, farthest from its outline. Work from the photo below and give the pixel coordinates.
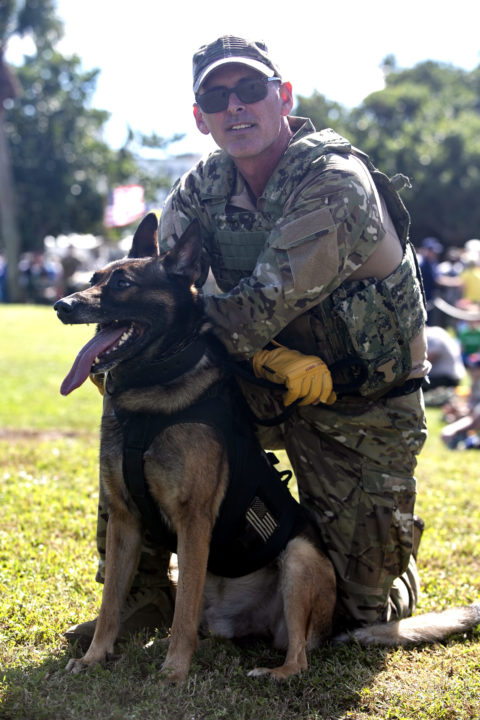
(244, 372)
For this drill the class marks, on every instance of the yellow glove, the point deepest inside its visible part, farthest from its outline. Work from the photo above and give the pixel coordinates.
(306, 377)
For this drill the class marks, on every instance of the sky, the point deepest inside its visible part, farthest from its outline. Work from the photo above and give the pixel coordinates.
(144, 50)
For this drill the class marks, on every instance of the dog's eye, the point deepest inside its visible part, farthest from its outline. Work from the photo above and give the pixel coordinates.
(120, 283)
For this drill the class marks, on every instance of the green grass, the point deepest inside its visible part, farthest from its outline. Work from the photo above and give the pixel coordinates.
(37, 352)
(48, 495)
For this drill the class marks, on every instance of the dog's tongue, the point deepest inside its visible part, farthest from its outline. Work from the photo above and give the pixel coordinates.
(80, 369)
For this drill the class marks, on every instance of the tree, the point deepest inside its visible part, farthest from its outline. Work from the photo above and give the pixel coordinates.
(57, 154)
(35, 17)
(322, 112)
(426, 124)
(61, 168)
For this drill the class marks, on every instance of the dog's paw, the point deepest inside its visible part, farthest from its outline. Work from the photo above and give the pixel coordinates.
(173, 675)
(259, 672)
(75, 666)
(279, 673)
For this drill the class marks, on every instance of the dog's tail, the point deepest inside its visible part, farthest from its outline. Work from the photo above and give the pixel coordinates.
(428, 628)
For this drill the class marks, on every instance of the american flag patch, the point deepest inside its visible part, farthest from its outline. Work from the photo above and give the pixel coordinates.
(260, 519)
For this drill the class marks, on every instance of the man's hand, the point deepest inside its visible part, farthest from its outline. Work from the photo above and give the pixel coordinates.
(306, 377)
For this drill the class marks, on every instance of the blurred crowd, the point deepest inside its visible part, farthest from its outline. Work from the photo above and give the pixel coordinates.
(65, 266)
(452, 288)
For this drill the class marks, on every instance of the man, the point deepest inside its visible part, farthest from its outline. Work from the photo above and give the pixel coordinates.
(308, 245)
(428, 260)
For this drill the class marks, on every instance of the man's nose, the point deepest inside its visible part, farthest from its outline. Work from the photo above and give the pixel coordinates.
(234, 104)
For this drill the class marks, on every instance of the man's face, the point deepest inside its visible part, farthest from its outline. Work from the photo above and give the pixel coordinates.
(244, 130)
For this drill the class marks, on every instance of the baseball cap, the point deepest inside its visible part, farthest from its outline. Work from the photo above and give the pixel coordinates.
(231, 49)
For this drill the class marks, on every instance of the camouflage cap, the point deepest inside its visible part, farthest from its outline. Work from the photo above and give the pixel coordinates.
(230, 49)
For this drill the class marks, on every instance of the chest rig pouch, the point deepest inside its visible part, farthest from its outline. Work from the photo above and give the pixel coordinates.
(375, 323)
(238, 239)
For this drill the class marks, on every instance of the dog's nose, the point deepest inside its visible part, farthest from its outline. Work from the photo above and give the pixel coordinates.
(65, 305)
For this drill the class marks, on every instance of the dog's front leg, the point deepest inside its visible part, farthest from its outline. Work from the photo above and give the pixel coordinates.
(192, 550)
(121, 560)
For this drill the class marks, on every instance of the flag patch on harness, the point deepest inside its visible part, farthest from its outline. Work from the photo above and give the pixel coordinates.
(260, 519)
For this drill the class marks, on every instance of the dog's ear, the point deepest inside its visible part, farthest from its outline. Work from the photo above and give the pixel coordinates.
(185, 258)
(145, 240)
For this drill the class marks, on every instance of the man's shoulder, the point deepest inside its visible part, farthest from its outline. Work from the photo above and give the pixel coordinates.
(306, 160)
(309, 149)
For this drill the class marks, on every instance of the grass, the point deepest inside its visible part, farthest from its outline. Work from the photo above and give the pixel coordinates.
(48, 494)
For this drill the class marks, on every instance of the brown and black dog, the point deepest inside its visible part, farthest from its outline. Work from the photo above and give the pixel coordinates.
(155, 346)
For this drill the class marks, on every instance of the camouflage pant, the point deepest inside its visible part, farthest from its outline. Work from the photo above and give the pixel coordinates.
(154, 561)
(354, 464)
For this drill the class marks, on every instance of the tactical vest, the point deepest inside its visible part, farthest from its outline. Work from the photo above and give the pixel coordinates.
(369, 321)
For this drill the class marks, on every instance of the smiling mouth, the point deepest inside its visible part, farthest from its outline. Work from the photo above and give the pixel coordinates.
(241, 126)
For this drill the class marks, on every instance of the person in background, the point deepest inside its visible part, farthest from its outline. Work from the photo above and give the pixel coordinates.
(445, 355)
(428, 258)
(463, 432)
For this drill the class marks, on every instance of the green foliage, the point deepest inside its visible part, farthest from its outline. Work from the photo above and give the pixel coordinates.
(48, 497)
(34, 16)
(62, 167)
(323, 112)
(38, 17)
(426, 124)
(56, 152)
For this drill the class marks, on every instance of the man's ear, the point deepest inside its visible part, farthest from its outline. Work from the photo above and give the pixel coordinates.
(286, 96)
(200, 120)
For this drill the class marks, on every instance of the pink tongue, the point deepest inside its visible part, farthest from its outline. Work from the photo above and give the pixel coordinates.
(80, 369)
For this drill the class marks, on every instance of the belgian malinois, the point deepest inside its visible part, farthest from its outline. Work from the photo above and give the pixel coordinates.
(155, 347)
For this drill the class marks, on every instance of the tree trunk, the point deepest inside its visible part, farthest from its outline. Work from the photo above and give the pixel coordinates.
(8, 225)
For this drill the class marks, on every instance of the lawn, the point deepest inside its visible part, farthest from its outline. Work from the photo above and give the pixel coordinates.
(48, 495)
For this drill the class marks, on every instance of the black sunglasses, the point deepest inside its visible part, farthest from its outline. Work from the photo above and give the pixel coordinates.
(248, 91)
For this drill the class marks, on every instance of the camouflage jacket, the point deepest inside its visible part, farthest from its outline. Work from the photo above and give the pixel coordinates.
(298, 264)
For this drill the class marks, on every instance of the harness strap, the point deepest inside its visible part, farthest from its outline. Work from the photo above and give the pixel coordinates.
(137, 431)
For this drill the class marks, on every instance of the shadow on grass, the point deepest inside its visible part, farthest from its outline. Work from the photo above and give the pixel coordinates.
(218, 686)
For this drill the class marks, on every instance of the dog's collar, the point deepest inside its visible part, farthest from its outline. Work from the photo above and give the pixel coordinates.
(164, 371)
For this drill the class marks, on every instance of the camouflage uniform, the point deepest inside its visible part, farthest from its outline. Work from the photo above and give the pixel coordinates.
(290, 267)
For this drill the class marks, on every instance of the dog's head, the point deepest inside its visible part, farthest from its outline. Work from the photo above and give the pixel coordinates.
(142, 298)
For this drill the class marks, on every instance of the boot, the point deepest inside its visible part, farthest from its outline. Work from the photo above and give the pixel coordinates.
(144, 610)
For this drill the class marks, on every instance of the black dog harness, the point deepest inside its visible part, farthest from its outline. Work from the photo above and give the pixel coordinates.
(258, 515)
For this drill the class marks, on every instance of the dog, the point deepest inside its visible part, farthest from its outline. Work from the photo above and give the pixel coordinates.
(156, 350)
